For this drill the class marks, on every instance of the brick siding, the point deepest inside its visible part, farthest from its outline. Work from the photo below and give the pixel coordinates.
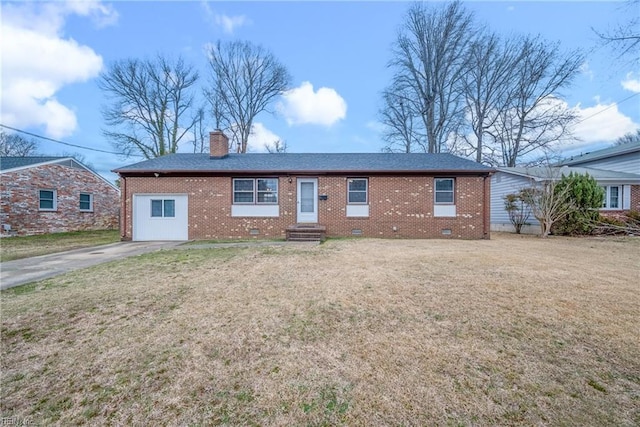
(635, 198)
(399, 207)
(19, 194)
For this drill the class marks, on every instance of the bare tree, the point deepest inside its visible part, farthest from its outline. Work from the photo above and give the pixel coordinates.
(518, 209)
(549, 202)
(150, 104)
(430, 60)
(403, 129)
(278, 146)
(628, 138)
(624, 38)
(486, 88)
(246, 79)
(14, 145)
(536, 117)
(200, 134)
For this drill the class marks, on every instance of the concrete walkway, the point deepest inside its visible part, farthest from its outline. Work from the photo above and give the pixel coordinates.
(27, 270)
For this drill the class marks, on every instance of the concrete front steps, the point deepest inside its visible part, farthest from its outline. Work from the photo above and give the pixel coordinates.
(306, 233)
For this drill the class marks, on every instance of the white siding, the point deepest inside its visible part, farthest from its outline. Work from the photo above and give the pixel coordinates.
(502, 184)
(148, 228)
(629, 163)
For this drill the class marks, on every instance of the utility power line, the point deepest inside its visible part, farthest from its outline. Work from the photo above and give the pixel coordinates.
(60, 142)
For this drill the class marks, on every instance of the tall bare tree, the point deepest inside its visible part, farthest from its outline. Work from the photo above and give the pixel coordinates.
(245, 80)
(536, 117)
(200, 131)
(150, 104)
(486, 87)
(403, 129)
(624, 38)
(14, 145)
(429, 59)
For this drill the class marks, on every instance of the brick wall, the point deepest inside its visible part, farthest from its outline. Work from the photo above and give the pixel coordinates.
(19, 200)
(399, 207)
(635, 198)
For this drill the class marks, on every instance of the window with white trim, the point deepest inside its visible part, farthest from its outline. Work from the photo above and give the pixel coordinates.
(444, 191)
(612, 197)
(255, 191)
(47, 200)
(357, 191)
(86, 202)
(163, 208)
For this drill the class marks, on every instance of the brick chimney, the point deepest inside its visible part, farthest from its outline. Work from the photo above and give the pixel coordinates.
(218, 144)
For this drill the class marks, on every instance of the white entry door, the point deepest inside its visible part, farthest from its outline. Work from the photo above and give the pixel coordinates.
(307, 200)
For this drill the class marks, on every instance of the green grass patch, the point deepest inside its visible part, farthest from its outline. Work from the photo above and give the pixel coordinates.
(12, 248)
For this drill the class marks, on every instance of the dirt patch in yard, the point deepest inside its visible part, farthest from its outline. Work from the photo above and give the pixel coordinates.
(515, 330)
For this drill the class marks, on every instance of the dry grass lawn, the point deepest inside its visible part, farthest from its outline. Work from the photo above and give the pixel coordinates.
(29, 246)
(512, 331)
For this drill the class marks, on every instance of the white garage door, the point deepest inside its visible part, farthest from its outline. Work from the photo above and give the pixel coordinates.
(160, 217)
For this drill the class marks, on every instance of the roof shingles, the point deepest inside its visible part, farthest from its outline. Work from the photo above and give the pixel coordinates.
(7, 163)
(307, 162)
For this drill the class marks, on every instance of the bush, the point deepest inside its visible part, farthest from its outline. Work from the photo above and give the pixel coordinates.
(518, 209)
(586, 196)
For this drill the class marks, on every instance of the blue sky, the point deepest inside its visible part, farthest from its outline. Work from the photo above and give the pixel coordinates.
(336, 52)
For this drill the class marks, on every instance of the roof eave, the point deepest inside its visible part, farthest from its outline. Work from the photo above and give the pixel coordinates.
(126, 172)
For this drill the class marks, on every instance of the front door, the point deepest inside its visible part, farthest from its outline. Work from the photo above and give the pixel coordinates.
(307, 200)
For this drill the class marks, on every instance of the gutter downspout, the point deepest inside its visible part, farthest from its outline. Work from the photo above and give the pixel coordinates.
(123, 231)
(486, 220)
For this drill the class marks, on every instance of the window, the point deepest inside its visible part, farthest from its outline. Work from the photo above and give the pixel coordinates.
(444, 191)
(612, 197)
(163, 208)
(86, 202)
(250, 191)
(357, 190)
(47, 200)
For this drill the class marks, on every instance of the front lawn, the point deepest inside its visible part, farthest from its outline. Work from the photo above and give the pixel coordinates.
(513, 331)
(29, 246)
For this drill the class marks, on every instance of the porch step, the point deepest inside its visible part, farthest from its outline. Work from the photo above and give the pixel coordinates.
(306, 233)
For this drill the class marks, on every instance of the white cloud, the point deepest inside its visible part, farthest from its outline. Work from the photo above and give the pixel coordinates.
(602, 123)
(261, 136)
(228, 23)
(302, 105)
(32, 69)
(631, 83)
(585, 69)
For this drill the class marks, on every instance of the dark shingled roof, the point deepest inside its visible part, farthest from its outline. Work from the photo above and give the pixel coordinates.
(306, 163)
(616, 150)
(7, 163)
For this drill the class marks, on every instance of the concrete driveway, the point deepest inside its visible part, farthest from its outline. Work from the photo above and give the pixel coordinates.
(19, 272)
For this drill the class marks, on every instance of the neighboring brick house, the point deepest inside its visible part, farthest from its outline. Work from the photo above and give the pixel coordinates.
(54, 194)
(220, 195)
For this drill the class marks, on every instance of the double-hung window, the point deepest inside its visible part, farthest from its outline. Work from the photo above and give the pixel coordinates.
(86, 202)
(444, 194)
(255, 191)
(47, 200)
(163, 208)
(357, 191)
(612, 197)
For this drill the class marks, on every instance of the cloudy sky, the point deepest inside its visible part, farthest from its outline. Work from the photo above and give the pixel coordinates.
(52, 54)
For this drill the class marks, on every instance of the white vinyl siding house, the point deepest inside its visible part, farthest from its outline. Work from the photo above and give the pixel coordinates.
(503, 183)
